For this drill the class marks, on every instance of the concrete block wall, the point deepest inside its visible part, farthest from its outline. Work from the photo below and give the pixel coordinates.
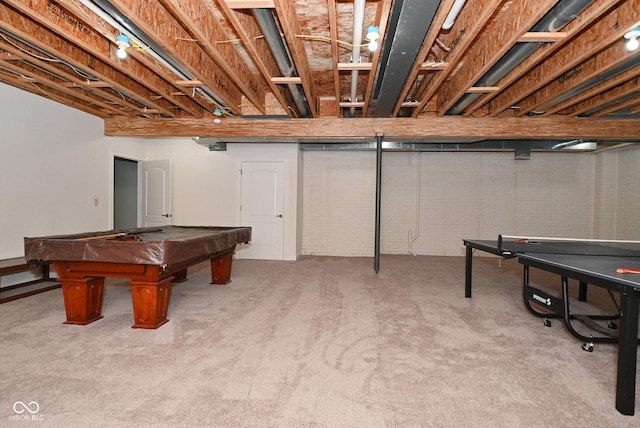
(432, 200)
(617, 195)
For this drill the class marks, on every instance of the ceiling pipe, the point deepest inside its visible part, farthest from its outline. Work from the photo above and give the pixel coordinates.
(269, 27)
(391, 144)
(453, 14)
(559, 16)
(358, 26)
(116, 19)
(630, 63)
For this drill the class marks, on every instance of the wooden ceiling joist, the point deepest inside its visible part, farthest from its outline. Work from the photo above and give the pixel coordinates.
(95, 64)
(419, 65)
(249, 4)
(156, 22)
(290, 26)
(468, 23)
(573, 28)
(201, 23)
(518, 18)
(604, 32)
(207, 54)
(542, 37)
(604, 98)
(255, 45)
(602, 93)
(588, 71)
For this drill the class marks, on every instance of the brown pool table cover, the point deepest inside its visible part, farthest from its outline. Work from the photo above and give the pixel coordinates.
(161, 245)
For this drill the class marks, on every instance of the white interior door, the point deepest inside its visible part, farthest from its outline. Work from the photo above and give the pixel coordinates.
(263, 209)
(156, 192)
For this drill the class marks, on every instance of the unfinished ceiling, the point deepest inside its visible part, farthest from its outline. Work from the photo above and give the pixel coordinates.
(294, 70)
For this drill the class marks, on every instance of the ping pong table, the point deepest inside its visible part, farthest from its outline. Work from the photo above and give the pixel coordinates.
(612, 265)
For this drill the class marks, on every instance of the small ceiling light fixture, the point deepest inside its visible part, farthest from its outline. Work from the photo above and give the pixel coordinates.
(373, 34)
(123, 43)
(217, 113)
(632, 39)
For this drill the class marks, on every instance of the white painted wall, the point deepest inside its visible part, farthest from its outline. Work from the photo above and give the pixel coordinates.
(454, 196)
(617, 194)
(206, 185)
(55, 161)
(54, 164)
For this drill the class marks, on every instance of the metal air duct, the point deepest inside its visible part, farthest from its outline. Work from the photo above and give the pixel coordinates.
(408, 26)
(358, 25)
(114, 17)
(559, 16)
(269, 27)
(630, 63)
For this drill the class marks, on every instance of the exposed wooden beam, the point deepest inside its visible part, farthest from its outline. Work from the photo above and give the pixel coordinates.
(328, 107)
(47, 38)
(278, 80)
(433, 65)
(189, 83)
(468, 22)
(86, 84)
(576, 26)
(435, 127)
(335, 59)
(352, 104)
(191, 103)
(29, 85)
(199, 20)
(607, 60)
(157, 23)
(255, 45)
(630, 103)
(421, 57)
(482, 89)
(542, 37)
(350, 66)
(91, 50)
(607, 30)
(249, 4)
(594, 102)
(517, 18)
(291, 28)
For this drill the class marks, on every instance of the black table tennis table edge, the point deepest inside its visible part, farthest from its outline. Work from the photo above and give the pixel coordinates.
(629, 302)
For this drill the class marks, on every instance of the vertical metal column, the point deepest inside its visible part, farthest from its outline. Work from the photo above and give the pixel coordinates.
(376, 251)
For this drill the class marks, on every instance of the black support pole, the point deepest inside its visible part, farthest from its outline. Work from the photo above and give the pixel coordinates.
(376, 255)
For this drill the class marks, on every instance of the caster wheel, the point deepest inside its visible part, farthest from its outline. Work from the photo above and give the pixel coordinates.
(547, 322)
(612, 325)
(587, 347)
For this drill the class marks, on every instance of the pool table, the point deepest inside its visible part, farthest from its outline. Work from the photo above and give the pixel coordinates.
(152, 257)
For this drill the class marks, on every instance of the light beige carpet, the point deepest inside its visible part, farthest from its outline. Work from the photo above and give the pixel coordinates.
(321, 342)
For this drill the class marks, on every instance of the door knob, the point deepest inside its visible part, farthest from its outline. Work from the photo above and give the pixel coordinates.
(279, 215)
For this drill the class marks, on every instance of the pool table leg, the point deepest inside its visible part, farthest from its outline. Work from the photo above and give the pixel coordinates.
(82, 299)
(221, 269)
(150, 302)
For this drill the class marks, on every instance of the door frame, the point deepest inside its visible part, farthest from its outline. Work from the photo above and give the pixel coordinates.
(283, 212)
(286, 209)
(112, 159)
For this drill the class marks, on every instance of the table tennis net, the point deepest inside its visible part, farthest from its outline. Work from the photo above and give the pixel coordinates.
(569, 246)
